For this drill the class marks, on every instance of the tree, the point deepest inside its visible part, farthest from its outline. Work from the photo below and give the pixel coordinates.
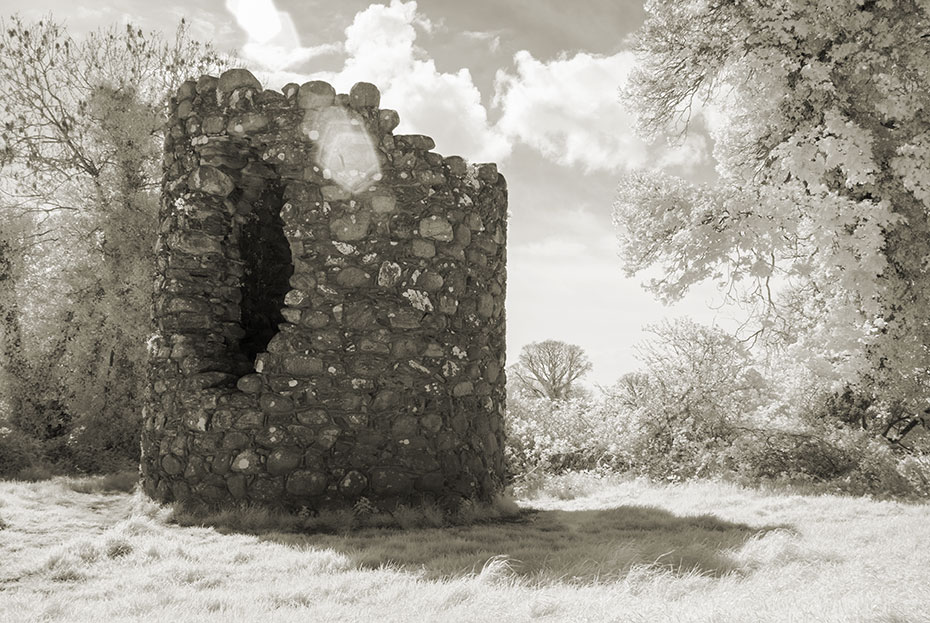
(11, 370)
(81, 133)
(819, 221)
(697, 385)
(550, 369)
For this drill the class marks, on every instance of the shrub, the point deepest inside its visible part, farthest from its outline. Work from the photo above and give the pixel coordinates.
(846, 461)
(97, 446)
(915, 469)
(554, 436)
(18, 452)
(682, 409)
(765, 454)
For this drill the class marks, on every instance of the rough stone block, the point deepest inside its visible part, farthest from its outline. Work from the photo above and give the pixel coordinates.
(205, 84)
(390, 482)
(389, 274)
(214, 125)
(211, 181)
(351, 227)
(232, 79)
(236, 485)
(353, 484)
(456, 166)
(388, 120)
(275, 404)
(383, 204)
(352, 277)
(303, 365)
(172, 465)
(187, 90)
(431, 281)
(283, 461)
(306, 483)
(417, 141)
(247, 462)
(422, 248)
(437, 228)
(246, 123)
(316, 94)
(250, 383)
(364, 95)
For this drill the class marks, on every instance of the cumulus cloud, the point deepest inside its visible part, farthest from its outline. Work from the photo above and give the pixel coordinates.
(568, 109)
(381, 48)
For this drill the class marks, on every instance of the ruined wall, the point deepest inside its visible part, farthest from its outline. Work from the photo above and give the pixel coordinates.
(329, 305)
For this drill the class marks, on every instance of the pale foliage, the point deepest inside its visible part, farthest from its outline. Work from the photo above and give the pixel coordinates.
(674, 417)
(81, 132)
(677, 414)
(819, 221)
(552, 436)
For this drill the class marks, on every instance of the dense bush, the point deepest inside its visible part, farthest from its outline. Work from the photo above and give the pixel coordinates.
(677, 415)
(93, 446)
(671, 426)
(554, 436)
(547, 437)
(75, 285)
(97, 447)
(18, 452)
(848, 461)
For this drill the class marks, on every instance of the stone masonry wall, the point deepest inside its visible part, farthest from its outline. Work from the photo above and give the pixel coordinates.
(329, 306)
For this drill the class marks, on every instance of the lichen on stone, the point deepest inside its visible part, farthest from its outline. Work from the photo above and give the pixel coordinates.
(420, 300)
(313, 310)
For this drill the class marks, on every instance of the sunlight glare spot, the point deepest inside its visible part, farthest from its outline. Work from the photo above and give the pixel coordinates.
(259, 18)
(346, 152)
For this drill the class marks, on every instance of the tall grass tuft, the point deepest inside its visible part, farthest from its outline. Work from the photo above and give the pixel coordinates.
(119, 482)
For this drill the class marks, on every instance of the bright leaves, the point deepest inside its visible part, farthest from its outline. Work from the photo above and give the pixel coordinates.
(820, 218)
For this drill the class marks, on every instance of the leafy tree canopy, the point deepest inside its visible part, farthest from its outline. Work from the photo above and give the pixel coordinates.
(819, 221)
(81, 131)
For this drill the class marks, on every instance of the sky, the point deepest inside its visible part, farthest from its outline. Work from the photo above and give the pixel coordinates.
(532, 85)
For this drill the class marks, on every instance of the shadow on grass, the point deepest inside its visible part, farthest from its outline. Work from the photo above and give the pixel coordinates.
(546, 546)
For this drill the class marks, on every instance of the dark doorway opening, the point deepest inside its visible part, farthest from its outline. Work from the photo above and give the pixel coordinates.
(266, 255)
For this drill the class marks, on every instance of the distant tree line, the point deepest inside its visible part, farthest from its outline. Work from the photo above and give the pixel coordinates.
(818, 227)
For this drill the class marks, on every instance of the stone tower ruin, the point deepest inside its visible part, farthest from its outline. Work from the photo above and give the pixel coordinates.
(329, 306)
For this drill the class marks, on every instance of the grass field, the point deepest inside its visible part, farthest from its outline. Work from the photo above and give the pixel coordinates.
(583, 549)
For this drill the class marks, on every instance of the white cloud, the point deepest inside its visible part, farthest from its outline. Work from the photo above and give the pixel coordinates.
(568, 109)
(273, 43)
(493, 40)
(381, 48)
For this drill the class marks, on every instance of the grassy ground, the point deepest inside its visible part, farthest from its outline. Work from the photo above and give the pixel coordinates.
(582, 550)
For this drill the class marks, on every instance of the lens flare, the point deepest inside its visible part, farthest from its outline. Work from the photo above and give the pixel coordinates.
(259, 18)
(345, 151)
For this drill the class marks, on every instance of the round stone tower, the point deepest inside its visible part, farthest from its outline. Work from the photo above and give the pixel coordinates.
(329, 306)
